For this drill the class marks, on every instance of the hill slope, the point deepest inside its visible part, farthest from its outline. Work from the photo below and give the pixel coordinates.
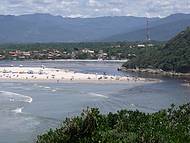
(176, 53)
(174, 56)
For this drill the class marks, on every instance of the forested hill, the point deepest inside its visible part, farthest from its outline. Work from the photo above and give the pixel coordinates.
(174, 56)
(176, 53)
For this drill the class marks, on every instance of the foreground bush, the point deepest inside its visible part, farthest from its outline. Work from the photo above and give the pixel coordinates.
(165, 126)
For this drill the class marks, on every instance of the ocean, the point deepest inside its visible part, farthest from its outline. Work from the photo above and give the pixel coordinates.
(30, 108)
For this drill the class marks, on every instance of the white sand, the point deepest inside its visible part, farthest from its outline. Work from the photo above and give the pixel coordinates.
(52, 74)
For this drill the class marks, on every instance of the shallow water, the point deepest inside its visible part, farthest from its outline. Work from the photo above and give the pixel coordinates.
(27, 109)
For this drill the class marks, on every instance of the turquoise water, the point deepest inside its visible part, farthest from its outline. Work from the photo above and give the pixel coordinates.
(27, 109)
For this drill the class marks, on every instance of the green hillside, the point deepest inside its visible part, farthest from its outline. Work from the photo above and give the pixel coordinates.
(174, 56)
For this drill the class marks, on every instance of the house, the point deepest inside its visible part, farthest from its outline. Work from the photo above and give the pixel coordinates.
(27, 54)
(13, 53)
(22, 57)
(116, 46)
(141, 45)
(2, 57)
(87, 51)
(102, 56)
(150, 45)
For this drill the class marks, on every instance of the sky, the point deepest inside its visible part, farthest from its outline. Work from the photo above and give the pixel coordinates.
(95, 8)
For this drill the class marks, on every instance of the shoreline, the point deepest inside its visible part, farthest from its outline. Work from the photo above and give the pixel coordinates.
(185, 77)
(42, 74)
(156, 72)
(86, 60)
(77, 81)
(74, 60)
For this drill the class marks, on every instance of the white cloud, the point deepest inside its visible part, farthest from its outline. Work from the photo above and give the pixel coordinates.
(116, 10)
(94, 8)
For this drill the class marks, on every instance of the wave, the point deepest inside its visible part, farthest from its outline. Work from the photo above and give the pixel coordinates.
(18, 110)
(41, 86)
(98, 95)
(47, 87)
(16, 97)
(54, 90)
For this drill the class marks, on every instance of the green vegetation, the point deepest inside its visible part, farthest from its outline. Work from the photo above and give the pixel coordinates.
(165, 126)
(93, 50)
(174, 56)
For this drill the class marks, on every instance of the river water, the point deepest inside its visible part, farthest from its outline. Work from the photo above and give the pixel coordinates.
(28, 109)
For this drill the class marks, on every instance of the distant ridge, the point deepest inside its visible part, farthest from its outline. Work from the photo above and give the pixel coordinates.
(160, 30)
(48, 28)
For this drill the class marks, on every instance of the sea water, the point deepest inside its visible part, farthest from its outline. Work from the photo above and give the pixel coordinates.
(28, 109)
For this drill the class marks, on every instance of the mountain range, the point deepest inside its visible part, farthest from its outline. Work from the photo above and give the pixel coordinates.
(48, 28)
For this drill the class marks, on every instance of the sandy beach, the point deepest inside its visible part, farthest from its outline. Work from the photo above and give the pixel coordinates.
(60, 75)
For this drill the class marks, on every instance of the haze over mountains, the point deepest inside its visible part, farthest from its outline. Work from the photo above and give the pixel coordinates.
(49, 28)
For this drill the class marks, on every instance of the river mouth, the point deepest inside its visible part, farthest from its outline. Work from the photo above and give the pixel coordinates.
(27, 109)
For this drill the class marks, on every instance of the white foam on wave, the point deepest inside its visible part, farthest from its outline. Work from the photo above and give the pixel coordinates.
(18, 110)
(29, 100)
(11, 99)
(98, 95)
(47, 87)
(54, 90)
(13, 96)
(41, 86)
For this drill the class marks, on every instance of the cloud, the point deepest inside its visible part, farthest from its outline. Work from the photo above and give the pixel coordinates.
(95, 8)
